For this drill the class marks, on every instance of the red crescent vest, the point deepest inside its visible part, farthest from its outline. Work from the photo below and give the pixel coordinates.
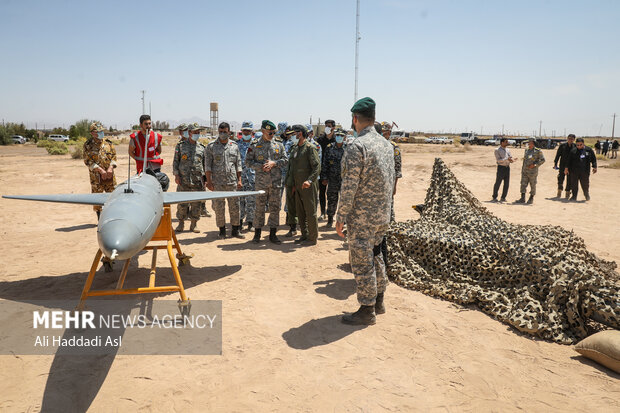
(151, 154)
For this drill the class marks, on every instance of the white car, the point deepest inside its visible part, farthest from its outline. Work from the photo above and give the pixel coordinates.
(491, 142)
(59, 138)
(18, 139)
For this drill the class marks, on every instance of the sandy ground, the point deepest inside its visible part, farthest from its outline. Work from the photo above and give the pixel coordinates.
(284, 348)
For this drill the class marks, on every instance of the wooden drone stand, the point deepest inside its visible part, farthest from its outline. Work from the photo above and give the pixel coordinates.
(164, 232)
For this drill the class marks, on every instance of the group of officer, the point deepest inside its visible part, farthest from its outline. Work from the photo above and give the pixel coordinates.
(574, 160)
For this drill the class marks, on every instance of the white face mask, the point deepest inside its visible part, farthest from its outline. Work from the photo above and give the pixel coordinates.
(246, 137)
(328, 130)
(294, 140)
(100, 135)
(195, 136)
(185, 134)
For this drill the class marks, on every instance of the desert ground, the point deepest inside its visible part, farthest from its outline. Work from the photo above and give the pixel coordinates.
(284, 348)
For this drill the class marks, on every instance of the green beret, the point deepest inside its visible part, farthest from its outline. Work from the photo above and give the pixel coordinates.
(364, 106)
(268, 125)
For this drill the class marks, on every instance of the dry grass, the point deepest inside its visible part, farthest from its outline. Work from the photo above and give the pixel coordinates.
(614, 165)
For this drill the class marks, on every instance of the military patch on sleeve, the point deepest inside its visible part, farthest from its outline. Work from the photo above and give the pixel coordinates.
(396, 151)
(260, 157)
(218, 158)
(184, 157)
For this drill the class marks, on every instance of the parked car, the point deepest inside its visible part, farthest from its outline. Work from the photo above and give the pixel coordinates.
(491, 142)
(59, 138)
(18, 139)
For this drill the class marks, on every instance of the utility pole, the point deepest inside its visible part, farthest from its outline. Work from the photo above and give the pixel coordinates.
(502, 129)
(357, 46)
(149, 108)
(613, 127)
(539, 128)
(143, 111)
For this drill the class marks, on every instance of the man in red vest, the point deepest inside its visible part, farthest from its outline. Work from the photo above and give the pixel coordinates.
(138, 142)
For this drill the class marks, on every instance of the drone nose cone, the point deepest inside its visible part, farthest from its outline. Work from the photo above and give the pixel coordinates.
(119, 237)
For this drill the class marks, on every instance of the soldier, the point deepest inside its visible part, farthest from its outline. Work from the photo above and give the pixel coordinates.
(562, 156)
(325, 139)
(365, 199)
(247, 203)
(386, 131)
(188, 170)
(331, 173)
(267, 157)
(223, 170)
(532, 159)
(100, 157)
(303, 172)
(289, 207)
(578, 165)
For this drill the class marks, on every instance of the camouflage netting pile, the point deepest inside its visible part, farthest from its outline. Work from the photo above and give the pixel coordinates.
(538, 279)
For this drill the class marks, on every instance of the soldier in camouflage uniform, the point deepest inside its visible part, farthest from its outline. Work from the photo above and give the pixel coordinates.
(532, 159)
(267, 157)
(365, 199)
(247, 203)
(386, 131)
(291, 212)
(331, 173)
(188, 170)
(100, 157)
(223, 171)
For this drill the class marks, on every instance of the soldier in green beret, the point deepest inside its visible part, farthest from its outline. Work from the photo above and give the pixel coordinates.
(304, 168)
(365, 204)
(268, 158)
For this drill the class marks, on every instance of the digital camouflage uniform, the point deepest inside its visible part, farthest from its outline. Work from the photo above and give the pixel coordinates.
(99, 153)
(398, 173)
(331, 172)
(258, 153)
(188, 165)
(365, 199)
(304, 165)
(291, 213)
(224, 162)
(247, 204)
(529, 176)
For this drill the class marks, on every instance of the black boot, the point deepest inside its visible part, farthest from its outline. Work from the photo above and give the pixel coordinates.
(521, 200)
(272, 236)
(249, 226)
(379, 307)
(291, 232)
(235, 232)
(330, 221)
(256, 238)
(364, 316)
(530, 201)
(222, 232)
(98, 215)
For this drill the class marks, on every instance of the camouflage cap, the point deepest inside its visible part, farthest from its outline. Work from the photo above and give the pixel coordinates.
(247, 125)
(340, 132)
(258, 135)
(309, 128)
(531, 140)
(194, 126)
(299, 128)
(288, 131)
(385, 126)
(282, 126)
(364, 106)
(96, 127)
(268, 125)
(182, 127)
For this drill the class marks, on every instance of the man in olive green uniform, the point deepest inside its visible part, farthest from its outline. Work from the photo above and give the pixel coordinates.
(100, 157)
(188, 170)
(304, 168)
(267, 157)
(532, 159)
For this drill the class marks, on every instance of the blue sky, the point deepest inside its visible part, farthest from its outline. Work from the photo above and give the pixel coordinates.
(430, 65)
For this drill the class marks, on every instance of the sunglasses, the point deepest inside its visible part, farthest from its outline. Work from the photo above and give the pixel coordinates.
(270, 133)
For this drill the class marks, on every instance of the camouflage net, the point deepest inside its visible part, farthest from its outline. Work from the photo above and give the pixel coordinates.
(539, 279)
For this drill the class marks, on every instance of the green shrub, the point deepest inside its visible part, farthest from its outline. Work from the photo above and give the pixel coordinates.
(77, 152)
(44, 143)
(57, 148)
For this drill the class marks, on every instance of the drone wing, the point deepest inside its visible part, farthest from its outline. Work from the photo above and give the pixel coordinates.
(178, 197)
(84, 199)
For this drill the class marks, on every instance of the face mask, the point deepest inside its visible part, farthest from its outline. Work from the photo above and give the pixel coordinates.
(195, 136)
(339, 139)
(354, 133)
(100, 135)
(185, 134)
(223, 136)
(246, 137)
(328, 130)
(294, 140)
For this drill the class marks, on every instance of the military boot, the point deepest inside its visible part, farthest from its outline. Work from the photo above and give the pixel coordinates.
(587, 195)
(256, 238)
(379, 307)
(249, 226)
(567, 195)
(521, 200)
(222, 233)
(235, 232)
(304, 237)
(364, 316)
(272, 236)
(330, 221)
(559, 193)
(530, 201)
(180, 227)
(291, 232)
(193, 227)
